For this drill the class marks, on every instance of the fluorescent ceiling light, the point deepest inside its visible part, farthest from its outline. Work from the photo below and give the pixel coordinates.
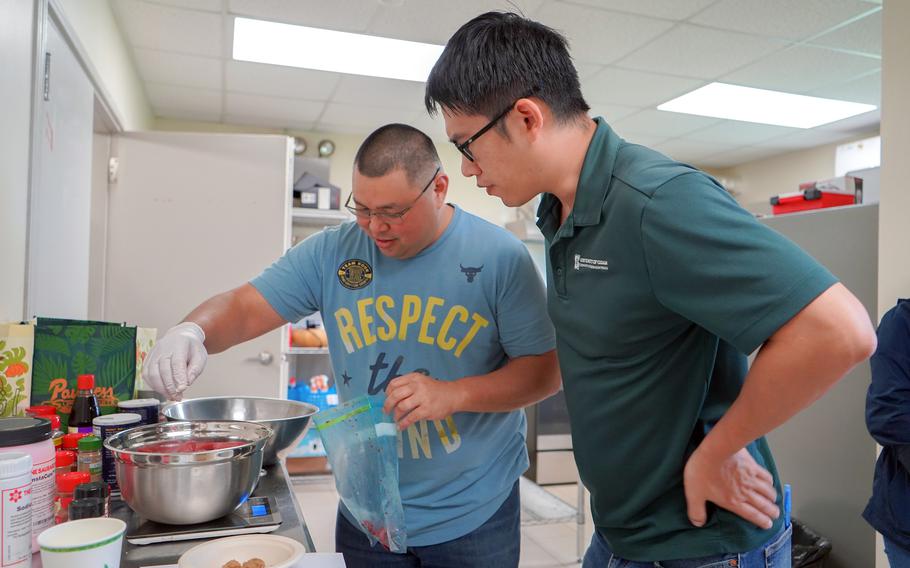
(328, 50)
(721, 100)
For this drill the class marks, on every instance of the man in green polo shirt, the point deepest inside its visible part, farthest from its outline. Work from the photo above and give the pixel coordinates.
(659, 285)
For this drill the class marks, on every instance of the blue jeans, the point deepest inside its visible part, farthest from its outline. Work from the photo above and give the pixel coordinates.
(773, 554)
(495, 543)
(898, 557)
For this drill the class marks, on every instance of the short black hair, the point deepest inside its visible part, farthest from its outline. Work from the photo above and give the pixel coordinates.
(499, 57)
(397, 146)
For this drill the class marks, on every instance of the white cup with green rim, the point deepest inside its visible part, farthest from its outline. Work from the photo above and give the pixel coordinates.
(88, 543)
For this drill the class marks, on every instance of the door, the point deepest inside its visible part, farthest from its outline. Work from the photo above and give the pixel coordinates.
(60, 207)
(192, 215)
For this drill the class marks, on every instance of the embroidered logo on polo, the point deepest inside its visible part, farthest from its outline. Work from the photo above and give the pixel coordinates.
(470, 272)
(582, 263)
(355, 274)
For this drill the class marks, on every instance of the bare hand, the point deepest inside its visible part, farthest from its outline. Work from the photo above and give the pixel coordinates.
(415, 396)
(737, 484)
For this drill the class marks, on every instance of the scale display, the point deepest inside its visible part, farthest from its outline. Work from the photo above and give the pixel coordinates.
(257, 515)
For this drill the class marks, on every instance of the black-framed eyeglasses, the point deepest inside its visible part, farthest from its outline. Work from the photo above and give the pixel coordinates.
(463, 147)
(391, 217)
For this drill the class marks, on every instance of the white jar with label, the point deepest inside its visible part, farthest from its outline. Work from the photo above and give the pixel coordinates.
(16, 516)
(32, 436)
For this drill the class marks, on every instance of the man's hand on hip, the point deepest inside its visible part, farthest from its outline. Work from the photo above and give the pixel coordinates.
(736, 483)
(176, 360)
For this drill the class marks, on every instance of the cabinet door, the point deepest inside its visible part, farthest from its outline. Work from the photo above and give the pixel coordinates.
(193, 215)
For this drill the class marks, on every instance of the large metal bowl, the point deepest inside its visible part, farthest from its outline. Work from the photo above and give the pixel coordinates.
(186, 488)
(289, 419)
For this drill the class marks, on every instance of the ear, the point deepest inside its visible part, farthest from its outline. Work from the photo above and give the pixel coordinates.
(440, 188)
(532, 113)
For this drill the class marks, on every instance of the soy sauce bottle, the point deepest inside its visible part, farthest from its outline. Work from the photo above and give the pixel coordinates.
(85, 406)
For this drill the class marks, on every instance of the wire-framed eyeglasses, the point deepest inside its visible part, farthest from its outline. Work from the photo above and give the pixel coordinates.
(391, 217)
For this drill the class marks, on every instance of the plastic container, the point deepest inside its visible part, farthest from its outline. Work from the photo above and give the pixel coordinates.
(89, 457)
(56, 432)
(85, 406)
(86, 508)
(97, 489)
(33, 436)
(66, 462)
(16, 517)
(66, 484)
(105, 427)
(71, 442)
(147, 408)
(41, 410)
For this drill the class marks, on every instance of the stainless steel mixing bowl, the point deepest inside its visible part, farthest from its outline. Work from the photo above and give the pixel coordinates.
(288, 418)
(186, 488)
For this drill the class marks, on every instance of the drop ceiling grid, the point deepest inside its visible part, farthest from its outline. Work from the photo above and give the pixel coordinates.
(631, 55)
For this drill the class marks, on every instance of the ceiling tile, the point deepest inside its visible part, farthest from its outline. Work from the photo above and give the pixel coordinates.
(434, 127)
(736, 133)
(188, 114)
(586, 70)
(283, 110)
(737, 157)
(644, 139)
(690, 151)
(178, 69)
(780, 18)
(634, 88)
(434, 21)
(864, 36)
(674, 10)
(367, 118)
(612, 113)
(855, 124)
(342, 15)
(660, 123)
(183, 98)
(275, 80)
(802, 68)
(699, 52)
(803, 139)
(170, 29)
(375, 91)
(268, 122)
(204, 5)
(600, 37)
(866, 89)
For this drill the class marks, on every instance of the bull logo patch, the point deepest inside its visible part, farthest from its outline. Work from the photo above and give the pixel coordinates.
(355, 274)
(470, 272)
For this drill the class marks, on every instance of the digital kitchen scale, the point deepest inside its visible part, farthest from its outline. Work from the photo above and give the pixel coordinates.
(257, 515)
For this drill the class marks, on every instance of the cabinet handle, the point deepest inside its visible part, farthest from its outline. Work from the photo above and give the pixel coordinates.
(264, 358)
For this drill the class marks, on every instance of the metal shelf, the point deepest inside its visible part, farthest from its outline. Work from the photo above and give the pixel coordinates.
(304, 216)
(306, 350)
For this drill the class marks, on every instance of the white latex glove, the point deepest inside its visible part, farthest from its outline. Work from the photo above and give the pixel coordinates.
(176, 360)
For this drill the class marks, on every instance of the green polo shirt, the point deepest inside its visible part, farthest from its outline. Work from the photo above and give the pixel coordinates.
(659, 284)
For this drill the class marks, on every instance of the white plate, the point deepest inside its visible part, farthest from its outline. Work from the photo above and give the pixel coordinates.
(276, 551)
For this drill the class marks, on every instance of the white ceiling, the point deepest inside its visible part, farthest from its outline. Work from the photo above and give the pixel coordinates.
(631, 56)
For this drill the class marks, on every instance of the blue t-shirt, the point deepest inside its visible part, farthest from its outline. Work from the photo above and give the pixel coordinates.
(461, 307)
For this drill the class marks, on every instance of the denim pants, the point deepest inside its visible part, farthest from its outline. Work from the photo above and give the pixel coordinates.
(898, 557)
(495, 543)
(773, 554)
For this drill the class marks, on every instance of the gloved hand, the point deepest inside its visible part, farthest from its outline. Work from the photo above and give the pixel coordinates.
(176, 360)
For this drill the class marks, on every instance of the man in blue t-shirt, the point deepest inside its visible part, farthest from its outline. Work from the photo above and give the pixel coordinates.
(442, 313)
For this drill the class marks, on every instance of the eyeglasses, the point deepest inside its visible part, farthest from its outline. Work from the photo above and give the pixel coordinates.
(463, 147)
(390, 217)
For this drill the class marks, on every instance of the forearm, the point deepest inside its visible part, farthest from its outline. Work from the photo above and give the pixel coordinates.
(233, 317)
(795, 367)
(521, 382)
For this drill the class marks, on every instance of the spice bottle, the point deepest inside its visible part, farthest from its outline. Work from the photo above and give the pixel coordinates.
(89, 457)
(85, 406)
(66, 462)
(71, 442)
(66, 483)
(86, 508)
(95, 489)
(16, 517)
(56, 432)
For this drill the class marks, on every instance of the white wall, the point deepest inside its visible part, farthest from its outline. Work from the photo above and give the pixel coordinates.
(16, 46)
(462, 191)
(756, 182)
(894, 230)
(109, 60)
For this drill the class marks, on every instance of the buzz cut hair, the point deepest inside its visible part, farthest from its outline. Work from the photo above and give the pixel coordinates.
(397, 146)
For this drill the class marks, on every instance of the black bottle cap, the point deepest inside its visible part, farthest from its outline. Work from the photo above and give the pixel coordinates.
(87, 508)
(26, 430)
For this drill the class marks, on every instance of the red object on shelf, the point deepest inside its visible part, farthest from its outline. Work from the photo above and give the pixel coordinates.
(808, 200)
